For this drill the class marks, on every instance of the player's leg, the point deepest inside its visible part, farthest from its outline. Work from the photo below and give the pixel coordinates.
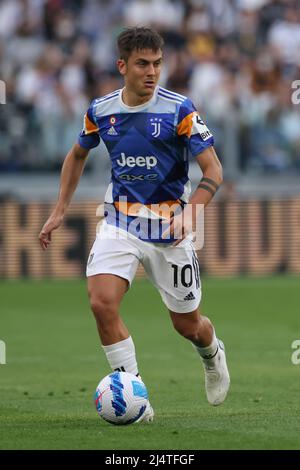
(111, 268)
(200, 331)
(194, 326)
(175, 272)
(106, 292)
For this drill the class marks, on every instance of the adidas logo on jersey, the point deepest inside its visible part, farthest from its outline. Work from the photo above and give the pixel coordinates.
(190, 296)
(112, 131)
(149, 161)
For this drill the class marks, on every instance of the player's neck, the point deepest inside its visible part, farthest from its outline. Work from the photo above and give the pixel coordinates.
(130, 98)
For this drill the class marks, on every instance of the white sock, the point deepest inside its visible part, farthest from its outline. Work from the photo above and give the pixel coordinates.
(208, 353)
(121, 356)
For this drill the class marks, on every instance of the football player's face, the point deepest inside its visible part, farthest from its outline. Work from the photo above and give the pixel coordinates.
(142, 70)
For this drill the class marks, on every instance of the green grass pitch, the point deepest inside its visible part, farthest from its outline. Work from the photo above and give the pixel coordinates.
(54, 362)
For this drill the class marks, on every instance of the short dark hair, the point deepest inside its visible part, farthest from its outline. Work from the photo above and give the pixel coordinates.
(138, 38)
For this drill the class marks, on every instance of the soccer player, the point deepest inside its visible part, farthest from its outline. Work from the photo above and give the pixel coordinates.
(149, 132)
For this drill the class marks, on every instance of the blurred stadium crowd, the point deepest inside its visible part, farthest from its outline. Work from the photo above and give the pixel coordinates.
(236, 59)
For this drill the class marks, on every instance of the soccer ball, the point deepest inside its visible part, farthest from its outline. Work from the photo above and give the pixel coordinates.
(121, 398)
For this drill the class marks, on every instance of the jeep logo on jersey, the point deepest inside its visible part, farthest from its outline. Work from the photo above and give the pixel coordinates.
(149, 161)
(200, 128)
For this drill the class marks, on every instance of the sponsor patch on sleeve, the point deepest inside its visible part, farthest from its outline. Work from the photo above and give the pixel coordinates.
(200, 128)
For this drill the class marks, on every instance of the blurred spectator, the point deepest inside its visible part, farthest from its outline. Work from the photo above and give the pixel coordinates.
(284, 37)
(235, 58)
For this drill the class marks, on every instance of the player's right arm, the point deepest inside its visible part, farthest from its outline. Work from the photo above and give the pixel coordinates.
(70, 174)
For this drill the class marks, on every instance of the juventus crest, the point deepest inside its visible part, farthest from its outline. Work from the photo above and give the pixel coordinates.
(156, 124)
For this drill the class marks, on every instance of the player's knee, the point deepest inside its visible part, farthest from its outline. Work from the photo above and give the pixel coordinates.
(104, 308)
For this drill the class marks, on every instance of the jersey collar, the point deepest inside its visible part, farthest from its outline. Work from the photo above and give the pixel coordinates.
(140, 107)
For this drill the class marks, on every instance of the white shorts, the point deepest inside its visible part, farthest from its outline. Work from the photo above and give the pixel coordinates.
(174, 270)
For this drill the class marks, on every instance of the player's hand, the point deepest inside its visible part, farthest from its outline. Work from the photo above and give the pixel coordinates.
(52, 223)
(180, 227)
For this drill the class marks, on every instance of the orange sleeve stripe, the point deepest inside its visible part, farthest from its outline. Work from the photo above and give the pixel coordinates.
(186, 125)
(89, 125)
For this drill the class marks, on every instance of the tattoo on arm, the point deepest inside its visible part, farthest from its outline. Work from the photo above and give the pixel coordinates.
(211, 187)
(211, 182)
(207, 188)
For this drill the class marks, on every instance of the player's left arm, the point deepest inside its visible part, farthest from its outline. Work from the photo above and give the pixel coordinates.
(199, 140)
(211, 180)
(208, 186)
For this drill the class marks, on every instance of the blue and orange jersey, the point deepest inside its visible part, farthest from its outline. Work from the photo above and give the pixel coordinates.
(149, 147)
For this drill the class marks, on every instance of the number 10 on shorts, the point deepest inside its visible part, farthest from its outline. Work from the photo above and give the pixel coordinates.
(184, 274)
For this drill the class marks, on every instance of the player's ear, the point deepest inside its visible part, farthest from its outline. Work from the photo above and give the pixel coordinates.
(122, 66)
